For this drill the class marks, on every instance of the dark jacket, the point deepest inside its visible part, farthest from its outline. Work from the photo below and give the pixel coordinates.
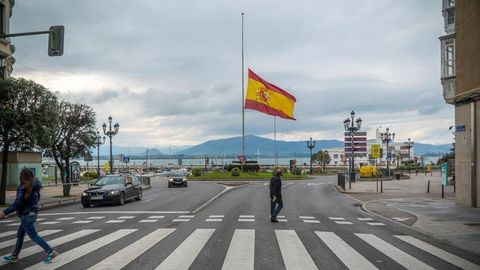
(276, 187)
(22, 206)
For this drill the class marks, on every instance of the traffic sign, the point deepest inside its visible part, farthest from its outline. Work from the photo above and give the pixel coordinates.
(126, 159)
(389, 156)
(375, 151)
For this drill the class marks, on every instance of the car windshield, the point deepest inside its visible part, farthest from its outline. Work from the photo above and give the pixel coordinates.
(110, 180)
(177, 174)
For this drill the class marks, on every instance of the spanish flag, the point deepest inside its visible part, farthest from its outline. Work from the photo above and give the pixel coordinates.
(268, 98)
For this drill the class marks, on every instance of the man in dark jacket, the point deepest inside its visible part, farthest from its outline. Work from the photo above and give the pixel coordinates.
(276, 203)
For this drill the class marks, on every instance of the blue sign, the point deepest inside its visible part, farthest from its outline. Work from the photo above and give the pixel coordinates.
(126, 159)
(389, 156)
(445, 174)
(460, 128)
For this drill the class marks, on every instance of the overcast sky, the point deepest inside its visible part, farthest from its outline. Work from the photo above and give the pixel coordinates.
(170, 71)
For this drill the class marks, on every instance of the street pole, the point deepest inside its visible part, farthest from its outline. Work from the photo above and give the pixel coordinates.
(311, 145)
(98, 142)
(387, 137)
(352, 129)
(110, 133)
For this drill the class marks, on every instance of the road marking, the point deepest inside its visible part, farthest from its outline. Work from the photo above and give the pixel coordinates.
(280, 216)
(6, 221)
(13, 224)
(311, 221)
(40, 219)
(442, 254)
(82, 250)
(65, 218)
(401, 219)
(246, 220)
(126, 255)
(213, 220)
(55, 242)
(126, 217)
(227, 188)
(365, 219)
(375, 224)
(82, 221)
(115, 221)
(344, 222)
(114, 212)
(216, 216)
(306, 217)
(186, 216)
(181, 220)
(394, 253)
(148, 220)
(282, 220)
(247, 216)
(241, 252)
(49, 223)
(145, 201)
(156, 217)
(3, 234)
(184, 255)
(12, 242)
(95, 217)
(336, 218)
(294, 254)
(349, 256)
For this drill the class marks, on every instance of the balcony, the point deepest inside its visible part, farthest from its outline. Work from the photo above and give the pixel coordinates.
(448, 84)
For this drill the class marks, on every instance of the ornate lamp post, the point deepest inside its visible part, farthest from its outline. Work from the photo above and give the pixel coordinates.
(99, 141)
(352, 129)
(110, 133)
(387, 138)
(311, 145)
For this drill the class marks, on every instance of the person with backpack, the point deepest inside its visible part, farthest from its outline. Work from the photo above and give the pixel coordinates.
(26, 206)
(276, 202)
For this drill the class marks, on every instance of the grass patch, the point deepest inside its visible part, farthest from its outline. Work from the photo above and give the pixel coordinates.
(244, 176)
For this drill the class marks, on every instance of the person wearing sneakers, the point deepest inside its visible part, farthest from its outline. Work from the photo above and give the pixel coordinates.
(276, 203)
(26, 206)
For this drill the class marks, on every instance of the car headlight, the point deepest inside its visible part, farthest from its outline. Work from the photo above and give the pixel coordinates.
(84, 194)
(170, 180)
(113, 192)
(184, 179)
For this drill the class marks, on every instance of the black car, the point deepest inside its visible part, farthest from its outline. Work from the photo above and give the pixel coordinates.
(177, 179)
(112, 189)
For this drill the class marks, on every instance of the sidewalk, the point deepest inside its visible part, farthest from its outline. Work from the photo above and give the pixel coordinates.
(407, 202)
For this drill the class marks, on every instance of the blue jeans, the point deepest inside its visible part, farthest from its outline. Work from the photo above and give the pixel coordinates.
(27, 226)
(275, 207)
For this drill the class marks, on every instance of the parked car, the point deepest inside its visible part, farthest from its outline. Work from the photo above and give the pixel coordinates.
(177, 178)
(112, 189)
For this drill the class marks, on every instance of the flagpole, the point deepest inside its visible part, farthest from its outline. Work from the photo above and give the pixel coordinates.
(243, 96)
(275, 139)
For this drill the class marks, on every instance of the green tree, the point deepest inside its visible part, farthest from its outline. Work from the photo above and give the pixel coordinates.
(25, 114)
(322, 157)
(71, 137)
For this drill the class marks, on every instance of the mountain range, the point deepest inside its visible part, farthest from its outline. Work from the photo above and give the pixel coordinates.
(253, 145)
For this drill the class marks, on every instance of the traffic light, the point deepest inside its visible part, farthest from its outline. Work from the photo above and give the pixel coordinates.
(55, 40)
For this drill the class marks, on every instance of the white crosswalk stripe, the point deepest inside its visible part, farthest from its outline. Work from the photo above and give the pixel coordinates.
(447, 256)
(7, 221)
(241, 253)
(183, 256)
(130, 252)
(12, 242)
(3, 234)
(294, 253)
(349, 256)
(394, 253)
(82, 250)
(65, 218)
(55, 242)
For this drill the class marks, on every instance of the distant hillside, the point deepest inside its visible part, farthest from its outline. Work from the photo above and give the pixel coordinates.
(426, 149)
(232, 146)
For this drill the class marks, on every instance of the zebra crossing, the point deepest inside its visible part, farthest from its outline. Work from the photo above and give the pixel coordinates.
(241, 249)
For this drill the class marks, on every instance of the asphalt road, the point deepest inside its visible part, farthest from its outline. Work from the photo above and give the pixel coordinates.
(321, 229)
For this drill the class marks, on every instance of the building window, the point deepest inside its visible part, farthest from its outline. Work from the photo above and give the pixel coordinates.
(448, 4)
(448, 55)
(335, 156)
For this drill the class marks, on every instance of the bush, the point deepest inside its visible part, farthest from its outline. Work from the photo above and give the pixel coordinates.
(235, 172)
(90, 174)
(297, 171)
(284, 170)
(196, 172)
(246, 168)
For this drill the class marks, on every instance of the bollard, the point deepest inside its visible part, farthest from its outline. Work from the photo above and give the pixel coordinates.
(381, 186)
(443, 194)
(428, 187)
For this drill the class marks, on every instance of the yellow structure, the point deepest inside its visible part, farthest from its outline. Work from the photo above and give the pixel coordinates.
(369, 171)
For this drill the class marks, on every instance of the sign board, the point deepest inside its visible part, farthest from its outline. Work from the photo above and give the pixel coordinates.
(389, 156)
(74, 172)
(107, 166)
(445, 173)
(375, 151)
(460, 128)
(126, 159)
(242, 159)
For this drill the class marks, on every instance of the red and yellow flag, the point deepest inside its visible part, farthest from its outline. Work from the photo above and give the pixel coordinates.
(268, 98)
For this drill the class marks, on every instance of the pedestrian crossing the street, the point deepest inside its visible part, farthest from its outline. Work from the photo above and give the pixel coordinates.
(289, 245)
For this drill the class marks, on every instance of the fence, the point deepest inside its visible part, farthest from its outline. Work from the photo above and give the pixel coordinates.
(341, 180)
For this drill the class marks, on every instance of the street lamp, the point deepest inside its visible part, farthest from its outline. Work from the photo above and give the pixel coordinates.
(311, 145)
(110, 133)
(99, 141)
(409, 154)
(352, 129)
(387, 138)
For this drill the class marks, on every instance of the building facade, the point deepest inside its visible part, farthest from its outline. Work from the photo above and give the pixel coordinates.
(6, 48)
(460, 71)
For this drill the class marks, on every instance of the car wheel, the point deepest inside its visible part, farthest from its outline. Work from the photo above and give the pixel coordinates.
(85, 204)
(185, 185)
(139, 197)
(121, 200)
(169, 186)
